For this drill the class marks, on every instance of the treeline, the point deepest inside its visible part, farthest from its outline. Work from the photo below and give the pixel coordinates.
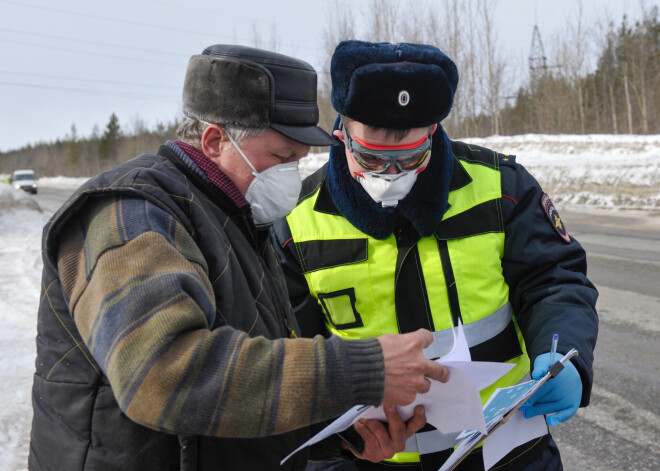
(78, 156)
(593, 78)
(621, 96)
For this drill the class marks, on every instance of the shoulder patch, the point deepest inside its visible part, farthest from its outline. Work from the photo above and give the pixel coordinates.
(553, 217)
(507, 159)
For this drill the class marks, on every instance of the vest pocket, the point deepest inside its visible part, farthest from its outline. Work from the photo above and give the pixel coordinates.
(339, 308)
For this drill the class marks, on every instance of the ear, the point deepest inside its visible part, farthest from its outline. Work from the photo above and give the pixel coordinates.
(338, 134)
(434, 128)
(213, 141)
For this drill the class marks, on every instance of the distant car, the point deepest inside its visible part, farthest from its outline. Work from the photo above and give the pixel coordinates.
(24, 180)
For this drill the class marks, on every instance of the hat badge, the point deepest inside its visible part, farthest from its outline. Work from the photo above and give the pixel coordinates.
(404, 98)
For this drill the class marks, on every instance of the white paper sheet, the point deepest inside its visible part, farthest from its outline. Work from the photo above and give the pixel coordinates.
(450, 407)
(460, 350)
(338, 425)
(516, 431)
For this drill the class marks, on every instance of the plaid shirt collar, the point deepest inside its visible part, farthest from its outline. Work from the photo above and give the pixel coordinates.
(214, 174)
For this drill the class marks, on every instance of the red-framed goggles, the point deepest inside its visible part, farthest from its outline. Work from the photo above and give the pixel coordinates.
(378, 159)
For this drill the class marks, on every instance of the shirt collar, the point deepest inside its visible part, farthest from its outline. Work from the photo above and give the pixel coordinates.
(214, 174)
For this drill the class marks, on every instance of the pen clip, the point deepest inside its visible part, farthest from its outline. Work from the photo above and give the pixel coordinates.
(556, 368)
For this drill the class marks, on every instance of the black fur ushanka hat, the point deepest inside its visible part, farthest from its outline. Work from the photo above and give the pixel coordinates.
(394, 86)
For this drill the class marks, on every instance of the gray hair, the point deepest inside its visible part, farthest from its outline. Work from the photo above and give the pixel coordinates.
(191, 129)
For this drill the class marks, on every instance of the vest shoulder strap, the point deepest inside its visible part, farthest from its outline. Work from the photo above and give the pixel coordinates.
(476, 154)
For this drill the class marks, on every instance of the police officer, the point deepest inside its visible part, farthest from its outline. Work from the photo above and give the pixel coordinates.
(404, 228)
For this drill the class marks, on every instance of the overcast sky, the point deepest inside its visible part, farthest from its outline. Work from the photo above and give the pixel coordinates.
(75, 61)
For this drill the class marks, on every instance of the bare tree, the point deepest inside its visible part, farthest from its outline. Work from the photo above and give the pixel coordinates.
(272, 43)
(495, 65)
(573, 46)
(637, 70)
(445, 30)
(341, 28)
(384, 24)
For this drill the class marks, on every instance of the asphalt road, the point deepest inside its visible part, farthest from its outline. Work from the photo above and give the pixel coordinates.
(51, 198)
(621, 427)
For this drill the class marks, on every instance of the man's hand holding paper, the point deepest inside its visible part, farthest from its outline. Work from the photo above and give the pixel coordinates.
(411, 381)
(407, 371)
(383, 439)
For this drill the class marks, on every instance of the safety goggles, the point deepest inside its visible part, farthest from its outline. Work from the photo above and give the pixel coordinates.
(379, 158)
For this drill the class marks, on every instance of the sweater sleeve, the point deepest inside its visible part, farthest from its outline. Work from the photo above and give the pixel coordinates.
(138, 289)
(546, 271)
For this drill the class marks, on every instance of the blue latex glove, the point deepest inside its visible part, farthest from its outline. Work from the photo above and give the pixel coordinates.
(559, 396)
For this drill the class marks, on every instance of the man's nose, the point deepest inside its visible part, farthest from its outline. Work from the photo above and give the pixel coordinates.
(393, 169)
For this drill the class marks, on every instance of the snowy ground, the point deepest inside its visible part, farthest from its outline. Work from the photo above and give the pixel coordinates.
(583, 173)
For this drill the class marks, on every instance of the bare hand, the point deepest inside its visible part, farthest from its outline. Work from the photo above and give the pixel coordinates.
(406, 368)
(383, 440)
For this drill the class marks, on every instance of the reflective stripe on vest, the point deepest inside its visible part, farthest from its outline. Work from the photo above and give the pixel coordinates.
(353, 278)
(475, 333)
(430, 442)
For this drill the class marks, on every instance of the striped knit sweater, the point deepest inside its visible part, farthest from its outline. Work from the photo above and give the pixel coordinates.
(140, 294)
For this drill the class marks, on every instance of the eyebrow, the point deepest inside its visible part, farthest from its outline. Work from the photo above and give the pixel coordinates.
(284, 155)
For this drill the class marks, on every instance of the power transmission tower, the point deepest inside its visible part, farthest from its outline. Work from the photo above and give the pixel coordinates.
(537, 60)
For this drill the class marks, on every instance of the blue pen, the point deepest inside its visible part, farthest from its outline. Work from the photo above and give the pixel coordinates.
(553, 351)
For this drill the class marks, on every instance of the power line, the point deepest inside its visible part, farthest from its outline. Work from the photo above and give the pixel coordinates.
(95, 54)
(246, 18)
(105, 18)
(92, 92)
(78, 79)
(97, 43)
(129, 22)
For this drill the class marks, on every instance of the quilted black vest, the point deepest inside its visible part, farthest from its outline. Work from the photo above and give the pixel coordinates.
(77, 422)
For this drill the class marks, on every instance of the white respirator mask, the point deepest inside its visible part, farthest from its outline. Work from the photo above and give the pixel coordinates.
(387, 189)
(274, 192)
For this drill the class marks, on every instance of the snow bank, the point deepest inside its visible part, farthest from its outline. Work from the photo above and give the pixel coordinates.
(21, 221)
(581, 173)
(592, 171)
(11, 198)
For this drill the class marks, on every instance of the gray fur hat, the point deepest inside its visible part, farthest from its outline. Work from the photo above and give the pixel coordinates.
(245, 86)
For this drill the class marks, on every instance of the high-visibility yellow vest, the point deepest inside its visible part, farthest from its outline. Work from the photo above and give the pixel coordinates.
(352, 275)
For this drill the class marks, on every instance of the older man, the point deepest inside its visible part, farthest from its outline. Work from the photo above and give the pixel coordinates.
(166, 340)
